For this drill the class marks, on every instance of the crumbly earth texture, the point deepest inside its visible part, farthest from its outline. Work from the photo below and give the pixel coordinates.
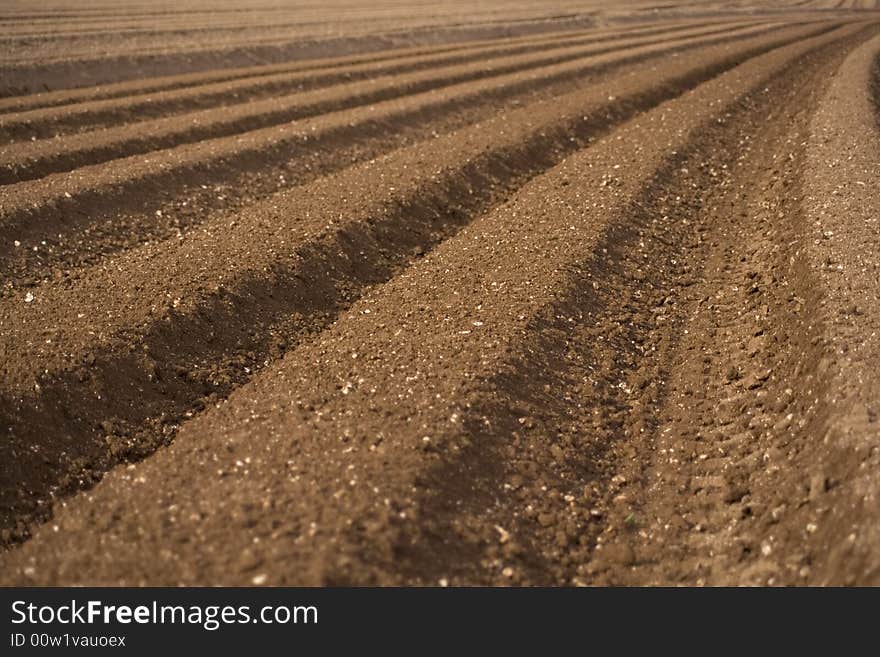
(543, 294)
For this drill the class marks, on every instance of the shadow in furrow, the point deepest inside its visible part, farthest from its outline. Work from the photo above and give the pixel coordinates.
(124, 403)
(575, 393)
(302, 159)
(259, 86)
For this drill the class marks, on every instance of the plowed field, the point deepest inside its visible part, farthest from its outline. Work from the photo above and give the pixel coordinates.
(422, 293)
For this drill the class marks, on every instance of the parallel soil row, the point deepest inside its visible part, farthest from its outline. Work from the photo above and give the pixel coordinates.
(125, 196)
(218, 282)
(842, 170)
(42, 59)
(138, 100)
(565, 344)
(137, 87)
(110, 57)
(36, 159)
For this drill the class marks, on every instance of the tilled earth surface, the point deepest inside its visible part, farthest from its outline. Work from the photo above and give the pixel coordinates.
(542, 294)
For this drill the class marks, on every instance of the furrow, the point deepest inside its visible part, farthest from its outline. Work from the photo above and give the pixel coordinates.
(31, 160)
(130, 91)
(90, 334)
(761, 474)
(72, 97)
(841, 176)
(346, 431)
(260, 83)
(45, 214)
(22, 75)
(585, 407)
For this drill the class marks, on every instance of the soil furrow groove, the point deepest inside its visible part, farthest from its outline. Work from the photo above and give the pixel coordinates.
(27, 161)
(42, 123)
(141, 403)
(449, 311)
(49, 212)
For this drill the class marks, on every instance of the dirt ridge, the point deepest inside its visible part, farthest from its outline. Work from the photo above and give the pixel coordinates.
(337, 547)
(40, 211)
(129, 380)
(589, 306)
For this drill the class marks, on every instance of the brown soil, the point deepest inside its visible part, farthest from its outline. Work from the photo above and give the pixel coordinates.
(589, 299)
